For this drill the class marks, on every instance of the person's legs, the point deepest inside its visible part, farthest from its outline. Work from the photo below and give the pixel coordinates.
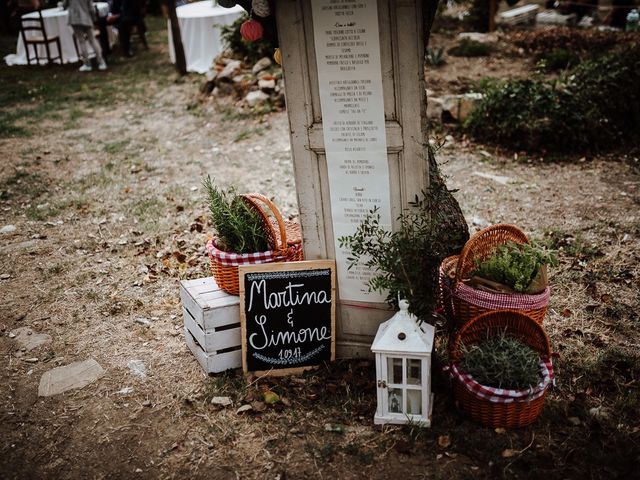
(96, 48)
(79, 33)
(141, 27)
(124, 31)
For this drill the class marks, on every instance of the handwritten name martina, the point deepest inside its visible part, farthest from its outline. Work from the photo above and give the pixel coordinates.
(290, 296)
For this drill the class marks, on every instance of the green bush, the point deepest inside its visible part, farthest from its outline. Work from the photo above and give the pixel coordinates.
(405, 262)
(558, 59)
(595, 106)
(470, 48)
(250, 52)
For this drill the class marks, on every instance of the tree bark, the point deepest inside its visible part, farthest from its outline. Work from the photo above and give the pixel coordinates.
(181, 63)
(429, 10)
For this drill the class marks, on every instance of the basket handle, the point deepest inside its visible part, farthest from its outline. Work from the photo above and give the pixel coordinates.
(265, 207)
(483, 243)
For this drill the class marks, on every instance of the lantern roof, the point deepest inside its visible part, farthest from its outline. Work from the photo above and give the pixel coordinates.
(402, 334)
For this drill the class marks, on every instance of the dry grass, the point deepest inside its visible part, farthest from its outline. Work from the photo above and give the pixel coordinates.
(125, 219)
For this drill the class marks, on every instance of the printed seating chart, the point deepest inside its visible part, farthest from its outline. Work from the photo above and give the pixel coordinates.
(347, 45)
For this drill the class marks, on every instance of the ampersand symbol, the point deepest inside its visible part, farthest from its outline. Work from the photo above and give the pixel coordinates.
(289, 317)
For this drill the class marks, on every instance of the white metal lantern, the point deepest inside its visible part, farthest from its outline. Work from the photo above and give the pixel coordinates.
(403, 369)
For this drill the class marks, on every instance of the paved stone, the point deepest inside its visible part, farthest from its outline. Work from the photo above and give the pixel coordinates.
(74, 375)
(29, 340)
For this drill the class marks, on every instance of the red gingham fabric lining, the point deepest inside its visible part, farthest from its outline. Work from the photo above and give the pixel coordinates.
(502, 301)
(500, 395)
(237, 259)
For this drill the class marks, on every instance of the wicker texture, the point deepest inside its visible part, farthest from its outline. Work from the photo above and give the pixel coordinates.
(517, 325)
(482, 244)
(461, 303)
(446, 279)
(285, 241)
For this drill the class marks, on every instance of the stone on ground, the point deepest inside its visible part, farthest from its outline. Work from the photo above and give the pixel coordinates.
(256, 97)
(262, 64)
(30, 340)
(69, 377)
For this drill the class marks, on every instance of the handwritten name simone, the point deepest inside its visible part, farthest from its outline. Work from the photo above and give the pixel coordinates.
(290, 296)
(263, 339)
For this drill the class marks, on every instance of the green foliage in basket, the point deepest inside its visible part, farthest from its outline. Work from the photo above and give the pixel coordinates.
(239, 228)
(502, 361)
(515, 265)
(405, 262)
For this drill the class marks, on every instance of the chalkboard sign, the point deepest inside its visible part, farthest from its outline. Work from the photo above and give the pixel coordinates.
(287, 316)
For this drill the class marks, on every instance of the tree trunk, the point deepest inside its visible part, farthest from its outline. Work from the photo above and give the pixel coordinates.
(454, 225)
(429, 9)
(181, 63)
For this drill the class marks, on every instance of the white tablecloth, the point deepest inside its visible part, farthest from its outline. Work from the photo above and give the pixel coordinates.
(200, 31)
(55, 24)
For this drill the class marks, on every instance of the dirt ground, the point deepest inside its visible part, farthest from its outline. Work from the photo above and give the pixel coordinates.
(109, 215)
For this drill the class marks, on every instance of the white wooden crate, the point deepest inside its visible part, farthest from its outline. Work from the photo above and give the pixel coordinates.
(211, 324)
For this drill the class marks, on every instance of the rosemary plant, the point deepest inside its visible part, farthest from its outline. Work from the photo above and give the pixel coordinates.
(239, 228)
(502, 361)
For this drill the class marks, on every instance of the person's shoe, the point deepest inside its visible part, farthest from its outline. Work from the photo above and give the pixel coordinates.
(102, 65)
(85, 68)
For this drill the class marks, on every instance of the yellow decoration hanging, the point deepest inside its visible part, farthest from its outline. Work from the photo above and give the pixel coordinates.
(277, 56)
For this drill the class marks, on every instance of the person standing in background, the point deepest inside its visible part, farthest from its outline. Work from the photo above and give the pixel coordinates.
(126, 14)
(81, 17)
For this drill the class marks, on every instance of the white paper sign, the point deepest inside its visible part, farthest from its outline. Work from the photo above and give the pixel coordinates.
(347, 44)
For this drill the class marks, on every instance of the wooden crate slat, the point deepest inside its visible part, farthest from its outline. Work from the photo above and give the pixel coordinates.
(213, 363)
(189, 304)
(212, 341)
(211, 310)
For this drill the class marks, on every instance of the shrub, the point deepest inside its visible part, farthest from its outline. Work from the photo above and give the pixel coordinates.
(593, 106)
(250, 52)
(435, 56)
(405, 262)
(558, 59)
(470, 48)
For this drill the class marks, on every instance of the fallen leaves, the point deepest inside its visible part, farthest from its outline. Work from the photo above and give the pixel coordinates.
(509, 452)
(444, 441)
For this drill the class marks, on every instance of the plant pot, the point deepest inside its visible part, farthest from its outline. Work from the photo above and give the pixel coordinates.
(461, 302)
(285, 240)
(495, 407)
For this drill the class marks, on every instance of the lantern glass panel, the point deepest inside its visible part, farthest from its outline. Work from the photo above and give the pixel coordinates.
(395, 400)
(394, 370)
(414, 371)
(414, 402)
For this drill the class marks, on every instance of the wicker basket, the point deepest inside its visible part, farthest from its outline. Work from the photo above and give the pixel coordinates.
(496, 407)
(446, 281)
(465, 302)
(285, 241)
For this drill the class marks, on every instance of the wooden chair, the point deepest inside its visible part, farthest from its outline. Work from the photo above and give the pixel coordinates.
(34, 34)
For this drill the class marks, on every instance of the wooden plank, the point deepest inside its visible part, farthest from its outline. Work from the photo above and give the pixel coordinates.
(402, 57)
(213, 341)
(212, 310)
(214, 363)
(283, 311)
